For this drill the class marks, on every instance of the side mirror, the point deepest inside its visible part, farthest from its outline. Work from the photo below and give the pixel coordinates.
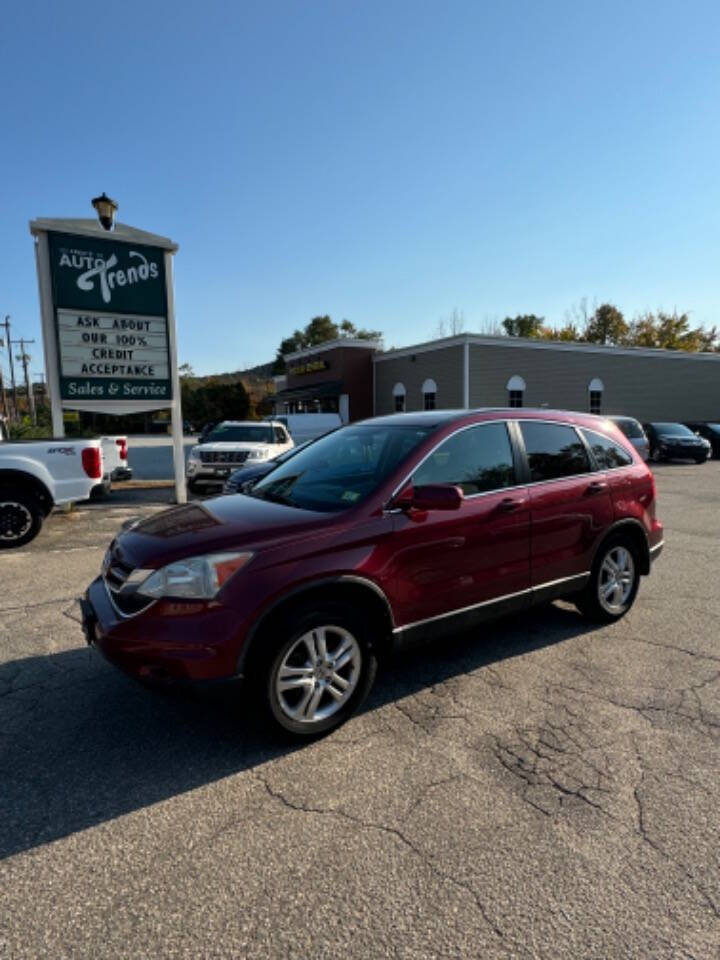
(434, 496)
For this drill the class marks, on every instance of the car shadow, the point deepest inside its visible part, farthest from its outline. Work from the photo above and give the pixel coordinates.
(81, 744)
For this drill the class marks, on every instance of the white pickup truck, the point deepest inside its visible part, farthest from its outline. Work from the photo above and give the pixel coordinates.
(115, 453)
(36, 475)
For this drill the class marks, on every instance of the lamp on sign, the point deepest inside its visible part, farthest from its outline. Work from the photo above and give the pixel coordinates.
(105, 209)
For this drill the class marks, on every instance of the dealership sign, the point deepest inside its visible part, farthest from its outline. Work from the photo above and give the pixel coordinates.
(111, 322)
(108, 323)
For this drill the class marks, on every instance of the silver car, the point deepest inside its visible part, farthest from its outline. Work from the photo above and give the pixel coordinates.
(635, 434)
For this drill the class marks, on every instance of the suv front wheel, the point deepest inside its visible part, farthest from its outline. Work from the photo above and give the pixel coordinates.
(613, 583)
(317, 671)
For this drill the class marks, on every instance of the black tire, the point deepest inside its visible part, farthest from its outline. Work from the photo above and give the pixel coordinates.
(195, 488)
(655, 455)
(590, 602)
(282, 646)
(21, 517)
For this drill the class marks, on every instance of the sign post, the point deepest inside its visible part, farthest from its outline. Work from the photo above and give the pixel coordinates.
(108, 320)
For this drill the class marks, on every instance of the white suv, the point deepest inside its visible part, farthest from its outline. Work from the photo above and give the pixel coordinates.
(231, 445)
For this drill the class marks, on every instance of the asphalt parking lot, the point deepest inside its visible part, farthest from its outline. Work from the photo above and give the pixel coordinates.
(540, 789)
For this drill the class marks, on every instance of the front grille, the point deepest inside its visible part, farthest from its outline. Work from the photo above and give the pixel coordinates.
(116, 575)
(223, 456)
(126, 598)
(131, 603)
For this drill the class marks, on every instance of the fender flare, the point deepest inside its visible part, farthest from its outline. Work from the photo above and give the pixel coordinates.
(297, 592)
(619, 526)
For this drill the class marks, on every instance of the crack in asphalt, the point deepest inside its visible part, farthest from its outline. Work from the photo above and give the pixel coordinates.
(394, 832)
(642, 831)
(672, 646)
(34, 606)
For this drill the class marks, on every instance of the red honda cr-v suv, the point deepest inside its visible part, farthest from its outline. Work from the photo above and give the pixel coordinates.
(381, 532)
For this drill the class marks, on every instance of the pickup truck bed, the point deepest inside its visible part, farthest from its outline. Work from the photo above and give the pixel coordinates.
(36, 475)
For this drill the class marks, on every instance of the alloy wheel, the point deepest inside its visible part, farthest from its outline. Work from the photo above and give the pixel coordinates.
(15, 520)
(318, 674)
(616, 579)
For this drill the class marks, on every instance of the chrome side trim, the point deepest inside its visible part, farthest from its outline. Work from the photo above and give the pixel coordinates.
(487, 603)
(657, 548)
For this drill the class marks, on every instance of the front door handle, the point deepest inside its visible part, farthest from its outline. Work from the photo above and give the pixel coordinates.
(597, 486)
(508, 504)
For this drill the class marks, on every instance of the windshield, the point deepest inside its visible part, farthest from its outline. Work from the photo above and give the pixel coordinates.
(241, 433)
(673, 429)
(715, 427)
(631, 428)
(341, 469)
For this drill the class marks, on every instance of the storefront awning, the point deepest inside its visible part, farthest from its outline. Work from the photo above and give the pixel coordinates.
(328, 388)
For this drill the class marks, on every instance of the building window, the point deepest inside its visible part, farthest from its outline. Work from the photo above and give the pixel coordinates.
(595, 393)
(399, 397)
(429, 392)
(516, 391)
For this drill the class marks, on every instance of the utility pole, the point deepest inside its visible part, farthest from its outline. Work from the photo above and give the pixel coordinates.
(2, 387)
(25, 358)
(6, 324)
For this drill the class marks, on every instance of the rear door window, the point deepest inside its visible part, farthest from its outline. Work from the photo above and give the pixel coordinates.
(608, 455)
(477, 460)
(554, 450)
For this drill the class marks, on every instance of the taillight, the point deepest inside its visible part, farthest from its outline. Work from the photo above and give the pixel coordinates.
(92, 462)
(122, 447)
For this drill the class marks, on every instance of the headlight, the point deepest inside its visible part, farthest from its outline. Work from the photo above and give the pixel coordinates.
(261, 454)
(198, 578)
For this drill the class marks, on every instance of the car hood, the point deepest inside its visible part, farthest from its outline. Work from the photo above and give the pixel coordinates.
(222, 523)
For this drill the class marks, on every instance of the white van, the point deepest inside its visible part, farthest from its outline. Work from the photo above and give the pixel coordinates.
(307, 426)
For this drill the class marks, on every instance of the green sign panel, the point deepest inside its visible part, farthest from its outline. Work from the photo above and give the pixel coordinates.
(93, 274)
(111, 319)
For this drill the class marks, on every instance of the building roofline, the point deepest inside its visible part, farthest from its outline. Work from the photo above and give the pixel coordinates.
(569, 346)
(332, 345)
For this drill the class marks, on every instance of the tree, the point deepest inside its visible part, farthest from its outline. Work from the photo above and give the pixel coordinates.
(524, 325)
(186, 371)
(215, 401)
(349, 330)
(452, 325)
(670, 331)
(319, 330)
(606, 325)
(567, 332)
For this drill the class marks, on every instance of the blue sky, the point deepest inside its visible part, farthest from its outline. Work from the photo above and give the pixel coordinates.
(381, 161)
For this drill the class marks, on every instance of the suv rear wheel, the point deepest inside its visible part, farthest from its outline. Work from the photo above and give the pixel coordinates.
(21, 517)
(614, 581)
(317, 671)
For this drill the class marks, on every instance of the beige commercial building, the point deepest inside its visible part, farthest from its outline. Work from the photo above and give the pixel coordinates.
(468, 371)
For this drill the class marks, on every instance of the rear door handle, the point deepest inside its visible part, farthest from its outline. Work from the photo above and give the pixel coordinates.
(597, 486)
(508, 504)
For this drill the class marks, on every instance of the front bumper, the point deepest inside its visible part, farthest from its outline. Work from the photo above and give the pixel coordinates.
(211, 475)
(169, 641)
(681, 452)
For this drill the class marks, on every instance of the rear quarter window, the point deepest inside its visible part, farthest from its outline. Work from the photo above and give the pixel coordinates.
(608, 454)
